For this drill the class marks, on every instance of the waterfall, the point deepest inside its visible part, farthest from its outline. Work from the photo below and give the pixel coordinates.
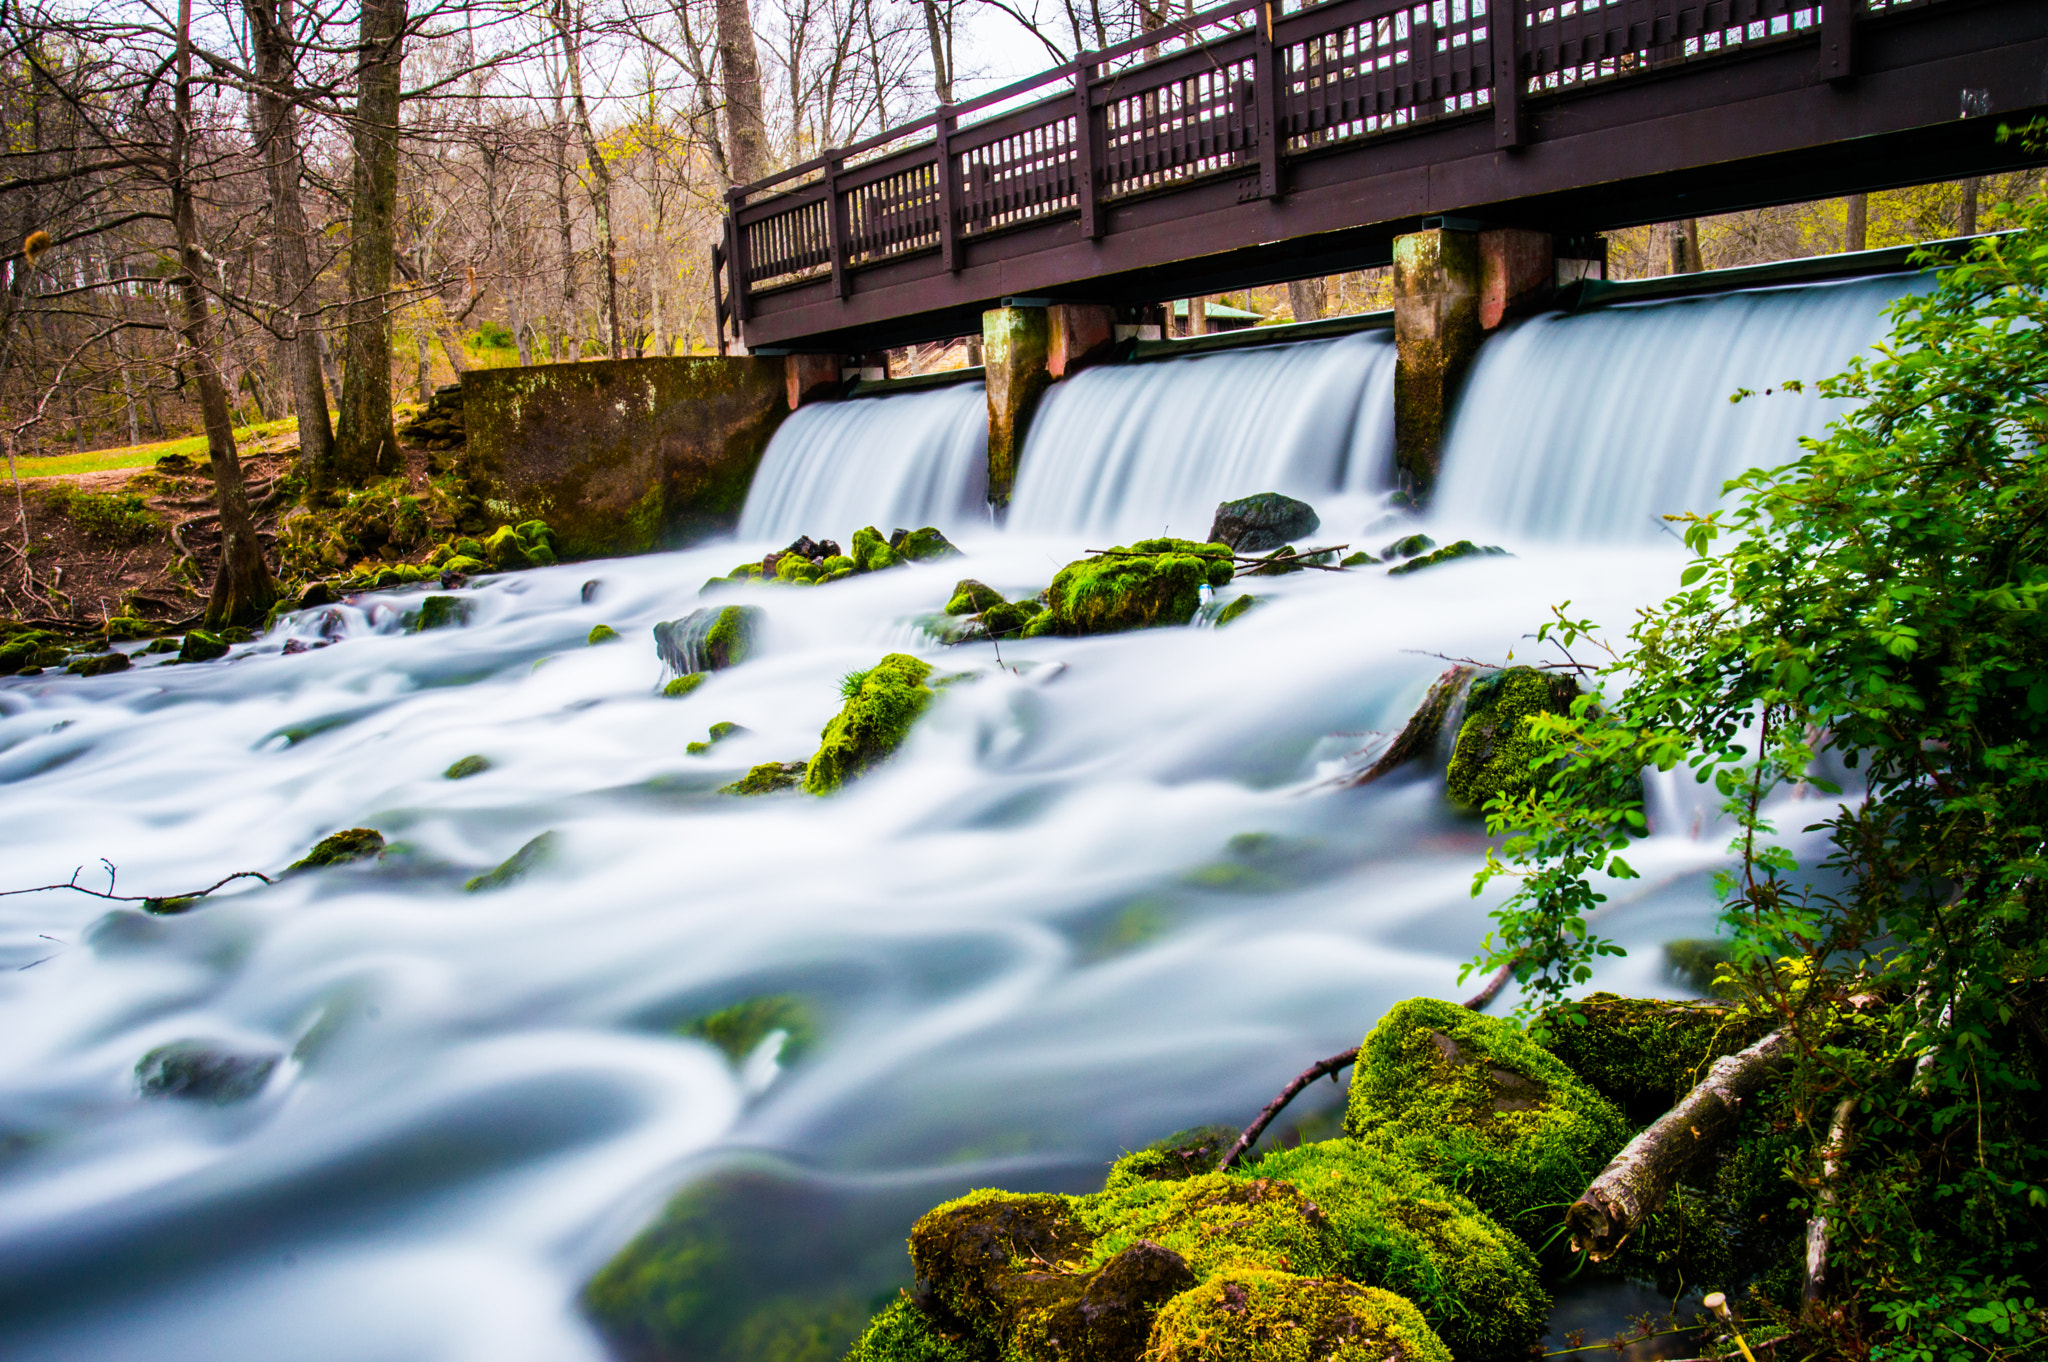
(908, 460)
(1129, 450)
(1592, 427)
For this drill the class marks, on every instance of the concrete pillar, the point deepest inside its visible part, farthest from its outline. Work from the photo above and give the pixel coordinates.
(811, 378)
(1016, 345)
(1517, 274)
(1078, 334)
(1438, 280)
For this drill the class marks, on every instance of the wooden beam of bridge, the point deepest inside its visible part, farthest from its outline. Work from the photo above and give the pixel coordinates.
(1278, 145)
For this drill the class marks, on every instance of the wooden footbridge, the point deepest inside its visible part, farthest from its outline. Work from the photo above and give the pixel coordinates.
(1265, 140)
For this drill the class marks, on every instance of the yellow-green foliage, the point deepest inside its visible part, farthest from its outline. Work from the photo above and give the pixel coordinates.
(872, 724)
(1215, 1221)
(1475, 1103)
(1495, 751)
(1476, 1284)
(1152, 582)
(1248, 1315)
(1643, 1054)
(904, 1333)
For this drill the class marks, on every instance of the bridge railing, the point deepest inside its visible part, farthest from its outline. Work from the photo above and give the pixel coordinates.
(1253, 86)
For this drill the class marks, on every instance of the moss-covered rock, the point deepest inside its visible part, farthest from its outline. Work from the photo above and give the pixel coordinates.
(1358, 559)
(441, 612)
(1248, 1315)
(1450, 553)
(971, 597)
(794, 569)
(1214, 1220)
(340, 848)
(680, 686)
(518, 865)
(1476, 1284)
(1409, 546)
(769, 777)
(472, 765)
(202, 646)
(738, 1030)
(1184, 1154)
(989, 1257)
(1478, 1105)
(1006, 618)
(1236, 609)
(1643, 1054)
(1104, 1314)
(1152, 582)
(710, 639)
(925, 545)
(904, 1333)
(204, 1071)
(601, 633)
(1495, 752)
(881, 705)
(871, 552)
(126, 628)
(719, 733)
(99, 664)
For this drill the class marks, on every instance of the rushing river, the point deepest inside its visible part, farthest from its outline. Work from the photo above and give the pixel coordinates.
(1106, 891)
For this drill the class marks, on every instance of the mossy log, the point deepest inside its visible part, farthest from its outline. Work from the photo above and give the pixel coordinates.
(1638, 1179)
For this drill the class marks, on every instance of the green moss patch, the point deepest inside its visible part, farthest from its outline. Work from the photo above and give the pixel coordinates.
(1476, 1104)
(904, 1333)
(739, 1030)
(463, 769)
(1150, 583)
(1214, 1221)
(769, 777)
(1643, 1054)
(518, 865)
(1185, 1154)
(872, 724)
(352, 844)
(1250, 1315)
(1495, 753)
(1464, 548)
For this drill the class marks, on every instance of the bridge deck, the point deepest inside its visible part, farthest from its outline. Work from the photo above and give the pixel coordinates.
(1283, 140)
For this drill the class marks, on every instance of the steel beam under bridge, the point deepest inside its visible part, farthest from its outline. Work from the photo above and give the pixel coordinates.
(1389, 114)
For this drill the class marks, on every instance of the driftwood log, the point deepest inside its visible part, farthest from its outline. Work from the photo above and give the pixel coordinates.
(1631, 1188)
(1418, 738)
(1817, 1281)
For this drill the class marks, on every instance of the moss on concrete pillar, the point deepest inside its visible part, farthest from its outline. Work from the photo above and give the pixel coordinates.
(1437, 288)
(1016, 351)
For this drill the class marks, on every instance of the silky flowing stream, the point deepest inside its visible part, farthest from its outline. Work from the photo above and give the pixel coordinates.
(1107, 890)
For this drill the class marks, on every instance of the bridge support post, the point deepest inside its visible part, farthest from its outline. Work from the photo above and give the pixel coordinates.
(1016, 352)
(811, 378)
(1078, 334)
(1450, 288)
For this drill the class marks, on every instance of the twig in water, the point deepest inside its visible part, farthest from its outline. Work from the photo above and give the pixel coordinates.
(112, 875)
(1331, 1067)
(1497, 666)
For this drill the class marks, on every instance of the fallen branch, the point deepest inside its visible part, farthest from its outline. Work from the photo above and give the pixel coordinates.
(1631, 1188)
(1418, 737)
(113, 874)
(1817, 1283)
(1303, 558)
(1332, 1066)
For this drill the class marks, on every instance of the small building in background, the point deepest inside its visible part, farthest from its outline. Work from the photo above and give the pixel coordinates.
(1222, 317)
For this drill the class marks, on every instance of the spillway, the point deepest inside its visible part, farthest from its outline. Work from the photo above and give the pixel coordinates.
(1104, 893)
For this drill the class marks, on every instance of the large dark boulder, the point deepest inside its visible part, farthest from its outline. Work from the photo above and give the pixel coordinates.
(1266, 521)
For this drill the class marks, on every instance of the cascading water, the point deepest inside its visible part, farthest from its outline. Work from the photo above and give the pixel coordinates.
(1136, 450)
(1593, 427)
(1087, 904)
(910, 460)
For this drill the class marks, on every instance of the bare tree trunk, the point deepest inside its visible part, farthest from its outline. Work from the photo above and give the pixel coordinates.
(941, 34)
(270, 27)
(366, 445)
(1969, 210)
(1307, 298)
(567, 25)
(242, 588)
(565, 228)
(1198, 316)
(1631, 1188)
(424, 383)
(746, 132)
(1685, 247)
(1856, 224)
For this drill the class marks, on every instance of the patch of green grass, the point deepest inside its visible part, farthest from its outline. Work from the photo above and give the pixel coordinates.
(142, 456)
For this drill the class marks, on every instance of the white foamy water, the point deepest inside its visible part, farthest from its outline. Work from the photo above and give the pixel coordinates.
(1015, 937)
(1595, 426)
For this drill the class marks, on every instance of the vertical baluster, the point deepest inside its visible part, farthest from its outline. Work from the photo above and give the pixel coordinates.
(1087, 149)
(737, 258)
(835, 226)
(1265, 84)
(949, 193)
(1504, 36)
